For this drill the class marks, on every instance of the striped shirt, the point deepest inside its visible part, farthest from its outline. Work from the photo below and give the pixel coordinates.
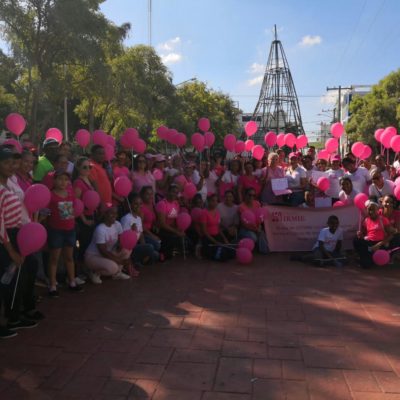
(10, 212)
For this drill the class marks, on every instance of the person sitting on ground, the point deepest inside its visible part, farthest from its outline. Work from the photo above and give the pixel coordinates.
(103, 257)
(215, 244)
(329, 244)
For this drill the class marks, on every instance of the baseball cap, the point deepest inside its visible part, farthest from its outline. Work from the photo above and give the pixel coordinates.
(49, 141)
(293, 154)
(336, 157)
(6, 153)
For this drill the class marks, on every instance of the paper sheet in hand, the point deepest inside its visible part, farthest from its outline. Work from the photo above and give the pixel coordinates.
(280, 186)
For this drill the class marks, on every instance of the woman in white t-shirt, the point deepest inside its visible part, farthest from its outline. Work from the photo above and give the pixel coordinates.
(297, 180)
(143, 252)
(102, 257)
(335, 173)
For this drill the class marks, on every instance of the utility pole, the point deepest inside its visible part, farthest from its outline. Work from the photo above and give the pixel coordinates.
(339, 89)
(65, 110)
(149, 4)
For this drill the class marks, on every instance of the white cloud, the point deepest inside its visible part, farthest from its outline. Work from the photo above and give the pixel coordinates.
(255, 81)
(170, 44)
(309, 41)
(329, 98)
(171, 58)
(256, 68)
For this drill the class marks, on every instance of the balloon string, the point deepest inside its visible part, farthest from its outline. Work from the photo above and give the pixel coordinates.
(359, 220)
(130, 209)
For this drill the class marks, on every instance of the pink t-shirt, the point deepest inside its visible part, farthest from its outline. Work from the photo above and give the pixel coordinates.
(169, 209)
(120, 171)
(84, 187)
(62, 212)
(243, 207)
(375, 228)
(140, 181)
(250, 182)
(149, 216)
(48, 181)
(212, 221)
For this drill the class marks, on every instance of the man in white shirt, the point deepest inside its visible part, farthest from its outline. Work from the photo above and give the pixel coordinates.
(359, 176)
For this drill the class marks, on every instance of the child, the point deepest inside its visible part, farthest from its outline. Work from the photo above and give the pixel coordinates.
(309, 199)
(61, 231)
(329, 244)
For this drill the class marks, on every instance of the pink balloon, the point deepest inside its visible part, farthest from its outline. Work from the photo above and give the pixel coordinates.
(109, 152)
(323, 183)
(244, 256)
(122, 186)
(323, 155)
(203, 124)
(280, 140)
(162, 132)
(99, 137)
(251, 128)
(378, 134)
(247, 243)
(248, 145)
(91, 199)
(229, 142)
(357, 149)
(180, 140)
(189, 191)
(180, 180)
(366, 153)
(139, 146)
(37, 197)
(387, 136)
(337, 129)
(258, 152)
(132, 133)
(128, 239)
(196, 214)
(338, 204)
(270, 139)
(209, 139)
(290, 140)
(173, 139)
(396, 192)
(395, 143)
(15, 123)
(127, 141)
(301, 141)
(183, 221)
(381, 257)
(82, 137)
(359, 200)
(248, 217)
(54, 133)
(198, 141)
(158, 174)
(397, 181)
(110, 140)
(31, 238)
(392, 130)
(78, 207)
(240, 146)
(331, 145)
(15, 144)
(170, 135)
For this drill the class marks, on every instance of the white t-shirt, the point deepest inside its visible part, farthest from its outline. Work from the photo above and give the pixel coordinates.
(334, 176)
(228, 177)
(210, 183)
(295, 176)
(329, 239)
(386, 189)
(359, 178)
(384, 173)
(196, 179)
(128, 220)
(104, 234)
(347, 198)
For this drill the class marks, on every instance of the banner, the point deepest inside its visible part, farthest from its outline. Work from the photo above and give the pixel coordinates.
(297, 229)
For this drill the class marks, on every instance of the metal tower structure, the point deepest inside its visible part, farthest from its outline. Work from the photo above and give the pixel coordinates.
(277, 108)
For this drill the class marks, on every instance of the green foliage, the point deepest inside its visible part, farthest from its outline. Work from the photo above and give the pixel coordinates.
(377, 109)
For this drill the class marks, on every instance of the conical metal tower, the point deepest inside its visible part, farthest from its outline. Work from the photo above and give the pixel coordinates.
(278, 107)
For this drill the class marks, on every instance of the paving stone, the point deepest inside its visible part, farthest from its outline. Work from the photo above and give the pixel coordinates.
(234, 375)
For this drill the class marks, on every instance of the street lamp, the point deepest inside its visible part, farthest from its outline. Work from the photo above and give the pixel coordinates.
(187, 80)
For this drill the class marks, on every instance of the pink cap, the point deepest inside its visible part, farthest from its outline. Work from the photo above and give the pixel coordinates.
(336, 157)
(293, 154)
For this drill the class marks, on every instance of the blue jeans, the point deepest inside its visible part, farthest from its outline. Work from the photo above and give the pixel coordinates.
(155, 243)
(144, 252)
(259, 239)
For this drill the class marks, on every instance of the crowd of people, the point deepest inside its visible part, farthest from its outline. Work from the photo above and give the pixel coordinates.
(227, 188)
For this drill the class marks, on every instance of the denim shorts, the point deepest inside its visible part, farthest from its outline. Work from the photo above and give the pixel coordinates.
(57, 239)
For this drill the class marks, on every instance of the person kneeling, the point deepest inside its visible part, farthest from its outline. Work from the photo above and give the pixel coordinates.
(215, 244)
(327, 250)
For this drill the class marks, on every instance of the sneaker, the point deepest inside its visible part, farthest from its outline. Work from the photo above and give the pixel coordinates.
(79, 281)
(121, 276)
(22, 324)
(5, 333)
(75, 288)
(95, 278)
(34, 315)
(54, 294)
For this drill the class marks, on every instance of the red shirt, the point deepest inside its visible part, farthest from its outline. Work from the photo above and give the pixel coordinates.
(62, 212)
(149, 216)
(212, 221)
(375, 228)
(99, 175)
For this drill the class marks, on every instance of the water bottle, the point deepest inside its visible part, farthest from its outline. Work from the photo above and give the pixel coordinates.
(9, 274)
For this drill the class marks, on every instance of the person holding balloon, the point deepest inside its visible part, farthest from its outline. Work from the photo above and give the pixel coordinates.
(376, 233)
(141, 176)
(359, 176)
(46, 161)
(119, 166)
(297, 181)
(230, 178)
(347, 194)
(335, 173)
(390, 211)
(24, 172)
(215, 244)
(60, 164)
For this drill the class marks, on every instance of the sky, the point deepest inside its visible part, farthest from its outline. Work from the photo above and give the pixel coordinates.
(226, 44)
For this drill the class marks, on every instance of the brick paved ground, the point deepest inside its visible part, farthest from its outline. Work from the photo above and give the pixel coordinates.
(204, 331)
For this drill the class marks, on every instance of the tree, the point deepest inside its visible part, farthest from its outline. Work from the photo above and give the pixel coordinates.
(377, 109)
